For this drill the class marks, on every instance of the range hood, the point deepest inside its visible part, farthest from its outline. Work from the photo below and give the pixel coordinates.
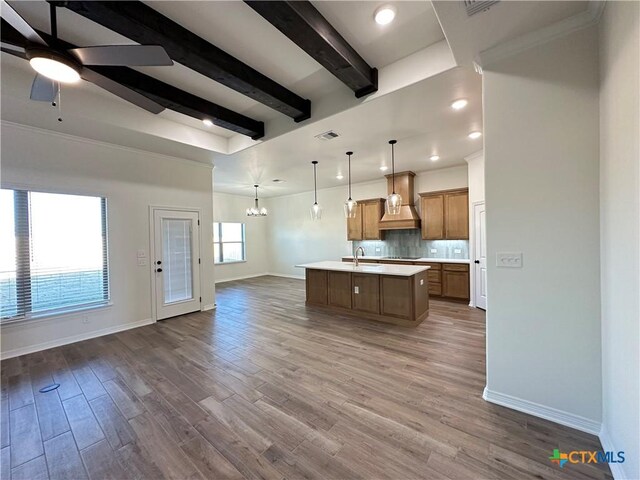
(408, 217)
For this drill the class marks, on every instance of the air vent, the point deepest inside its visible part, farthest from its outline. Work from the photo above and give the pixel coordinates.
(277, 180)
(477, 6)
(330, 135)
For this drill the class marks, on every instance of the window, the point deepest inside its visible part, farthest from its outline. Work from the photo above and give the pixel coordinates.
(53, 253)
(228, 242)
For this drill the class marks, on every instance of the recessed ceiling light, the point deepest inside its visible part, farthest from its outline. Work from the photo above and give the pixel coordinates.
(385, 15)
(434, 158)
(475, 134)
(384, 168)
(207, 122)
(459, 104)
(339, 176)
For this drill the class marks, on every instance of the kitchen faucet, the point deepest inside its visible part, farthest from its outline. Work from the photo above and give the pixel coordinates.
(355, 257)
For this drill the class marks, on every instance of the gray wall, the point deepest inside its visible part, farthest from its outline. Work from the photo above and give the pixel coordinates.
(541, 173)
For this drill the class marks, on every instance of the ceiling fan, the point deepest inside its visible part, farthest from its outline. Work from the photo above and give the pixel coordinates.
(55, 64)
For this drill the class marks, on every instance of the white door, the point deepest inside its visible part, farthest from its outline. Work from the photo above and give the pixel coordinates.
(480, 249)
(176, 262)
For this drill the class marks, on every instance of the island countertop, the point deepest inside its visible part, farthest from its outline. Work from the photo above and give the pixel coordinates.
(376, 269)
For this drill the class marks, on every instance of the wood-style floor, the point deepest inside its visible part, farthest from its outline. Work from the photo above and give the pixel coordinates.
(264, 388)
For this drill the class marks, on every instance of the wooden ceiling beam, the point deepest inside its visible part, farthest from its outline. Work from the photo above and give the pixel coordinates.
(141, 23)
(302, 23)
(166, 95)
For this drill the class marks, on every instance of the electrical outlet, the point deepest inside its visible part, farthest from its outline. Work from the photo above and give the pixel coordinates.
(509, 259)
(457, 250)
(142, 253)
(85, 319)
(356, 290)
(422, 281)
(377, 249)
(434, 250)
(142, 262)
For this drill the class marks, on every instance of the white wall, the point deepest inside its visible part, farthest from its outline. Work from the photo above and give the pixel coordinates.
(232, 208)
(132, 181)
(619, 237)
(541, 173)
(295, 238)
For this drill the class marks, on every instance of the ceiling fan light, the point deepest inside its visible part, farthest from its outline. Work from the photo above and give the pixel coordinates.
(54, 66)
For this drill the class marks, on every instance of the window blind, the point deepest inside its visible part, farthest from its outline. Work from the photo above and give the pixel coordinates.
(57, 257)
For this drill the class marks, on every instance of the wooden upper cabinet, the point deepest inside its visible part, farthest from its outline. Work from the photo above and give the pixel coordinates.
(354, 225)
(445, 215)
(372, 211)
(366, 224)
(432, 208)
(456, 215)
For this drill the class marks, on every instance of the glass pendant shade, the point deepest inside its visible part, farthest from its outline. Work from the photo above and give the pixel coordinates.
(256, 211)
(393, 204)
(394, 201)
(350, 205)
(316, 211)
(350, 208)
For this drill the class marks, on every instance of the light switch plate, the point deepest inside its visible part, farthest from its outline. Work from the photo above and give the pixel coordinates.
(457, 250)
(509, 259)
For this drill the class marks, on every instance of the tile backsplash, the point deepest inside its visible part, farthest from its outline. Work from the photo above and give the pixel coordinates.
(409, 243)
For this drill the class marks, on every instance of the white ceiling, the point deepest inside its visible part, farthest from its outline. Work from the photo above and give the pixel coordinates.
(504, 21)
(418, 116)
(237, 29)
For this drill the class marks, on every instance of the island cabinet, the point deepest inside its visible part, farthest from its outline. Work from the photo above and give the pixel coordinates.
(445, 214)
(402, 298)
(366, 224)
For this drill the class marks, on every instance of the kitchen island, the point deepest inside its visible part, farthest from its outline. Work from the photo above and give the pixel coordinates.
(396, 294)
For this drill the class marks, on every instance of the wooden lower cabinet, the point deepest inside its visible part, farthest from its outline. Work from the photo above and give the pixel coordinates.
(396, 296)
(455, 281)
(385, 298)
(339, 289)
(366, 293)
(316, 283)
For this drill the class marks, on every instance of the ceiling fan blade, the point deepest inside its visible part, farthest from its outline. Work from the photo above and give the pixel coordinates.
(44, 89)
(121, 91)
(20, 24)
(14, 48)
(124, 55)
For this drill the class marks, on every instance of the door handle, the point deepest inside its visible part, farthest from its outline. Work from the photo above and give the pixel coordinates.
(477, 261)
(159, 270)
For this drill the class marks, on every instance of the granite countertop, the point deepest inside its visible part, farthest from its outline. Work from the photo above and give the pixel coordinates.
(377, 269)
(423, 259)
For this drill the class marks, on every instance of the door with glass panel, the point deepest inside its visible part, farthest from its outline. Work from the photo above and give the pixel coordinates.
(176, 263)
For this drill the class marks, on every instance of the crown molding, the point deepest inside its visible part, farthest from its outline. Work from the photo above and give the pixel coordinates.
(99, 143)
(591, 16)
(473, 156)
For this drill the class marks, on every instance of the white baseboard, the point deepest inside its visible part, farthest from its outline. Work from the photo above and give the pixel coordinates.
(548, 413)
(284, 275)
(244, 277)
(16, 352)
(617, 469)
(208, 307)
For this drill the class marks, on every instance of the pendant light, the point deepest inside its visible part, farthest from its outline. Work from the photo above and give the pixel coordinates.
(394, 201)
(256, 211)
(350, 205)
(316, 210)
